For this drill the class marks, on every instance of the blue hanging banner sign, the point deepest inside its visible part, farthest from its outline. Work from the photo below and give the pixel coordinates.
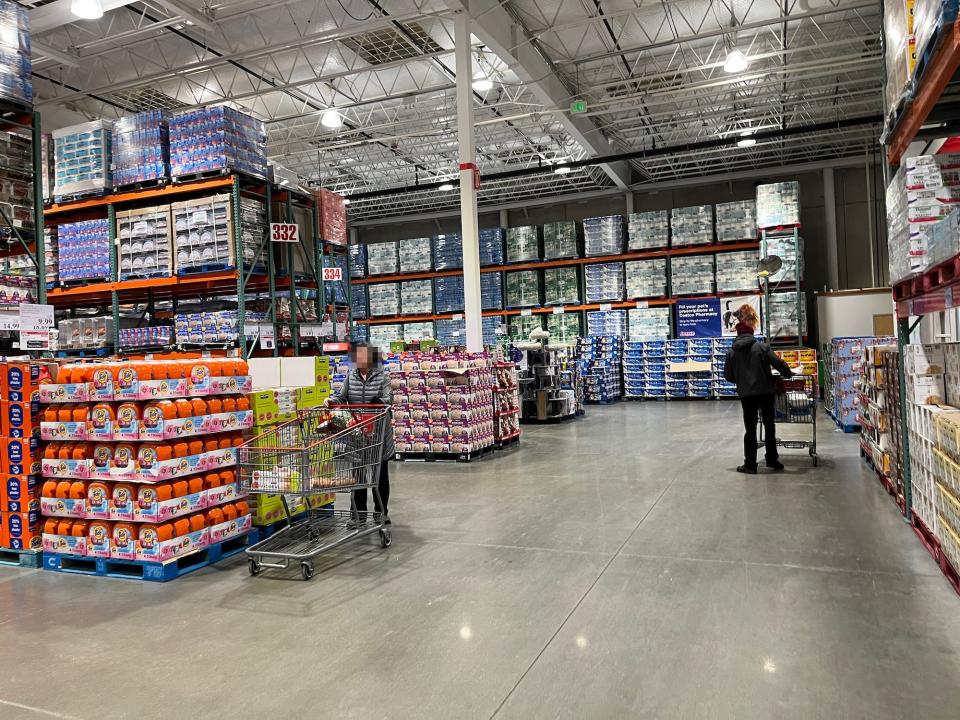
(699, 318)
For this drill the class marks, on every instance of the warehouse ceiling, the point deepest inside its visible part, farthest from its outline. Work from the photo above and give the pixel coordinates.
(652, 75)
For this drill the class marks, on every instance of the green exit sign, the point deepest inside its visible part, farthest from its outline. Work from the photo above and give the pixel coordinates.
(578, 106)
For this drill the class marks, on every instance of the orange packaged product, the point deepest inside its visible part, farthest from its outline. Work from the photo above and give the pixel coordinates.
(243, 403)
(242, 367)
(242, 508)
(99, 531)
(49, 489)
(65, 413)
(81, 451)
(123, 534)
(195, 484)
(64, 451)
(144, 370)
(199, 371)
(229, 512)
(181, 449)
(51, 451)
(99, 493)
(147, 455)
(214, 406)
(158, 370)
(102, 456)
(197, 522)
(79, 528)
(180, 487)
(63, 489)
(237, 439)
(64, 526)
(146, 495)
(164, 491)
(101, 414)
(184, 408)
(164, 451)
(211, 445)
(50, 526)
(181, 526)
(211, 480)
(78, 490)
(128, 415)
(229, 404)
(81, 413)
(168, 407)
(50, 413)
(195, 446)
(199, 407)
(150, 535)
(178, 369)
(228, 477)
(225, 442)
(214, 516)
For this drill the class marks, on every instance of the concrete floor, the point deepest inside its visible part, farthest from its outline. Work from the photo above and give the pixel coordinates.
(615, 567)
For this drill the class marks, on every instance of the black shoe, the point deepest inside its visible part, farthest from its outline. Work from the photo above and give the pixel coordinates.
(386, 518)
(354, 524)
(748, 469)
(776, 465)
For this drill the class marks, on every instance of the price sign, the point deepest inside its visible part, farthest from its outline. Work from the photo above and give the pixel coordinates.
(332, 274)
(606, 307)
(36, 317)
(457, 317)
(311, 331)
(641, 304)
(284, 232)
(558, 311)
(9, 320)
(267, 341)
(526, 312)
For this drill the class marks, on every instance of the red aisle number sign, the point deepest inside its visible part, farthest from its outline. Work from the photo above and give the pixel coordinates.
(332, 274)
(284, 232)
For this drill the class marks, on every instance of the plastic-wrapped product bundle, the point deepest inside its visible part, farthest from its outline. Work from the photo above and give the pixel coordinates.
(652, 323)
(494, 330)
(451, 332)
(447, 251)
(603, 281)
(16, 68)
(560, 240)
(645, 368)
(333, 216)
(561, 286)
(254, 230)
(900, 50)
(382, 258)
(47, 166)
(416, 297)
(929, 16)
(599, 359)
(692, 275)
(84, 250)
(648, 230)
(519, 327)
(646, 278)
(491, 246)
(415, 255)
(360, 333)
(358, 302)
(737, 271)
(721, 388)
(448, 293)
(523, 244)
(523, 288)
(607, 322)
(384, 299)
(691, 225)
(736, 221)
(564, 329)
(603, 235)
(146, 337)
(785, 247)
(217, 138)
(144, 239)
(782, 314)
(51, 256)
(16, 185)
(491, 291)
(778, 204)
(204, 234)
(382, 335)
(336, 292)
(418, 331)
(82, 158)
(141, 148)
(358, 260)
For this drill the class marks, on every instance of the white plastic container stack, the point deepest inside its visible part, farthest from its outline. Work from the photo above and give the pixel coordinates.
(691, 225)
(648, 230)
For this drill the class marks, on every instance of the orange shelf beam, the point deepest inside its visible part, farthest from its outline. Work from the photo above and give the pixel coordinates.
(171, 190)
(938, 74)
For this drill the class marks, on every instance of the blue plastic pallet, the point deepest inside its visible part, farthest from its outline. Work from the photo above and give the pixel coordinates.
(20, 558)
(140, 570)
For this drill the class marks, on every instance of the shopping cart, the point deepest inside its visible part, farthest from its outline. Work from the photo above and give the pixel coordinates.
(795, 403)
(324, 450)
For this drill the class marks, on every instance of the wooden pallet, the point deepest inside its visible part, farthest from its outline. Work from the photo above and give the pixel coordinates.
(20, 558)
(930, 542)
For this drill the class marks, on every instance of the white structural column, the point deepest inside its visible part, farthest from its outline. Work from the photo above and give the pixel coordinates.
(830, 221)
(469, 174)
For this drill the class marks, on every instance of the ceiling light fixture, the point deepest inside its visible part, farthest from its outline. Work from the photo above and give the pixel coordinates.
(331, 119)
(346, 201)
(736, 62)
(481, 83)
(746, 139)
(446, 187)
(561, 170)
(87, 9)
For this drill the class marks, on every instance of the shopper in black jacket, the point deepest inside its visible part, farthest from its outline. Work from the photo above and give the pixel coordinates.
(748, 365)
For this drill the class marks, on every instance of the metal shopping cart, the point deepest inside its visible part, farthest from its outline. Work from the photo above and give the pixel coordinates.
(336, 449)
(795, 403)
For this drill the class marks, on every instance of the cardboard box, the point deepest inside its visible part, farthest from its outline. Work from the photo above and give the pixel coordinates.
(926, 389)
(20, 530)
(21, 380)
(20, 456)
(310, 397)
(265, 372)
(20, 418)
(924, 359)
(20, 493)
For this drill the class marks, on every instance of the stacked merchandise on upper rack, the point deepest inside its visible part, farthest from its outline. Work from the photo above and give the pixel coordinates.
(599, 358)
(520, 326)
(778, 218)
(648, 230)
(900, 53)
(217, 139)
(358, 261)
(82, 159)
(140, 146)
(564, 328)
(383, 258)
(18, 274)
(607, 322)
(693, 275)
(650, 323)
(646, 278)
(523, 244)
(603, 235)
(448, 251)
(736, 220)
(560, 240)
(491, 247)
(506, 403)
(691, 226)
(16, 67)
(413, 255)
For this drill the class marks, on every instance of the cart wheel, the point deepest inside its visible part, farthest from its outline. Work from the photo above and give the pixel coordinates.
(307, 570)
(386, 539)
(253, 566)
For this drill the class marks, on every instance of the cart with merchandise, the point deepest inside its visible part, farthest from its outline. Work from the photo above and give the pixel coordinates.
(323, 450)
(795, 403)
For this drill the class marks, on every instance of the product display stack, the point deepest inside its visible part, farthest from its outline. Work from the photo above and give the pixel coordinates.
(384, 299)
(721, 388)
(650, 323)
(144, 240)
(689, 368)
(358, 261)
(603, 282)
(599, 359)
(603, 235)
(141, 149)
(523, 244)
(506, 404)
(413, 255)
(736, 221)
(16, 188)
(648, 230)
(491, 291)
(358, 302)
(737, 271)
(416, 297)
(524, 288)
(519, 327)
(16, 68)
(138, 465)
(491, 246)
(381, 336)
(692, 275)
(382, 258)
(82, 160)
(645, 369)
(877, 419)
(646, 278)
(448, 293)
(447, 251)
(607, 322)
(216, 139)
(561, 286)
(691, 226)
(442, 403)
(84, 251)
(846, 369)
(564, 328)
(560, 240)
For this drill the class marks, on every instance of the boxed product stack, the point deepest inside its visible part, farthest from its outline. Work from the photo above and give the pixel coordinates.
(607, 322)
(847, 358)
(491, 291)
(205, 234)
(146, 337)
(416, 297)
(560, 240)
(491, 246)
(82, 159)
(143, 470)
(782, 315)
(217, 327)
(646, 278)
(603, 282)
(16, 68)
(384, 299)
(721, 388)
(413, 332)
(737, 271)
(689, 372)
(382, 335)
(645, 369)
(339, 367)
(451, 332)
(737, 221)
(603, 235)
(85, 333)
(523, 244)
(900, 51)
(414, 255)
(648, 323)
(778, 204)
(804, 360)
(358, 261)
(691, 225)
(448, 294)
(523, 289)
(519, 327)
(561, 286)
(648, 230)
(141, 148)
(494, 330)
(217, 138)
(506, 402)
(332, 209)
(599, 359)
(692, 275)
(383, 258)
(51, 255)
(564, 329)
(876, 429)
(447, 251)
(84, 250)
(442, 402)
(943, 237)
(253, 232)
(336, 292)
(16, 185)
(144, 238)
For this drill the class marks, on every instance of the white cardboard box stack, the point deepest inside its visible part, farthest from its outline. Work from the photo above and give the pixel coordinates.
(923, 370)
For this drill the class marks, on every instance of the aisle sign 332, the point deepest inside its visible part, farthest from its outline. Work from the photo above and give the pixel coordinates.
(284, 232)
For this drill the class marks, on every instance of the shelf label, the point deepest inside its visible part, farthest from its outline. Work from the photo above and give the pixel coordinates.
(606, 307)
(311, 331)
(458, 317)
(558, 310)
(200, 217)
(287, 233)
(948, 297)
(267, 340)
(642, 304)
(526, 312)
(9, 320)
(35, 324)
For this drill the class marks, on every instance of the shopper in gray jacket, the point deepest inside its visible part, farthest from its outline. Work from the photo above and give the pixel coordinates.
(368, 384)
(748, 365)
